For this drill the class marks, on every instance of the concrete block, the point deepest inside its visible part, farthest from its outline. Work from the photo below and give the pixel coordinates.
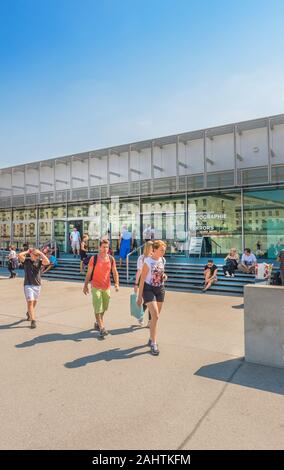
(264, 324)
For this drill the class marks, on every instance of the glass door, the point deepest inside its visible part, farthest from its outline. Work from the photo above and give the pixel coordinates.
(78, 224)
(59, 234)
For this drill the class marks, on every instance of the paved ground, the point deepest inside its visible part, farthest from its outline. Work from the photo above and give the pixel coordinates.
(63, 388)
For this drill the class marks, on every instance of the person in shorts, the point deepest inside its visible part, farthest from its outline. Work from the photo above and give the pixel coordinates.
(83, 251)
(152, 289)
(99, 269)
(32, 261)
(146, 253)
(75, 240)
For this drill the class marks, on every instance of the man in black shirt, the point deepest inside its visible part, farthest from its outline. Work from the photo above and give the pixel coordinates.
(32, 261)
(210, 274)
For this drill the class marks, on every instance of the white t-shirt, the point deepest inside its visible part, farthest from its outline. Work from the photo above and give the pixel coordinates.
(156, 271)
(12, 254)
(249, 260)
(75, 237)
(147, 233)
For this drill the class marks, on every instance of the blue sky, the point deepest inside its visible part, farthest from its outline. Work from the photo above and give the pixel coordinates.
(78, 75)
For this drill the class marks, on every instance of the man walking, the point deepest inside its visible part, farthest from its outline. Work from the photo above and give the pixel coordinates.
(75, 240)
(32, 261)
(99, 268)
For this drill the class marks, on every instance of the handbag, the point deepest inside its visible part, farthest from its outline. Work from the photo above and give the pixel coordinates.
(135, 310)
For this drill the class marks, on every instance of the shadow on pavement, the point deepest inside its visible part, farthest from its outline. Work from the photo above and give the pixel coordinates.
(14, 325)
(51, 337)
(239, 372)
(122, 331)
(240, 306)
(111, 355)
(76, 337)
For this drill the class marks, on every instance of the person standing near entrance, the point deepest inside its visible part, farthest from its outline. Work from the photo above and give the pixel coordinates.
(125, 244)
(75, 240)
(32, 261)
(152, 289)
(99, 270)
(147, 233)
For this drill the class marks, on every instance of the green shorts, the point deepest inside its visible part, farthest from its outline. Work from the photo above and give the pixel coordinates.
(100, 300)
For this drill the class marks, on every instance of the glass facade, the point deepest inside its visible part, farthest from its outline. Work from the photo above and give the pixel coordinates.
(253, 218)
(217, 217)
(264, 221)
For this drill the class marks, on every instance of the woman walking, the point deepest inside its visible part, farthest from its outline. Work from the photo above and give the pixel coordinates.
(152, 289)
(147, 252)
(83, 251)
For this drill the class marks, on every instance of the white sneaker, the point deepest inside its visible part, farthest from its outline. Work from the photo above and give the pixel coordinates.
(232, 275)
(227, 274)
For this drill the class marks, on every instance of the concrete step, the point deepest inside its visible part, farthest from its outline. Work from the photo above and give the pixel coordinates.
(184, 277)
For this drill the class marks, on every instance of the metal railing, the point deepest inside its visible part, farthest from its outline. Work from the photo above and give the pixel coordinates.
(216, 247)
(139, 249)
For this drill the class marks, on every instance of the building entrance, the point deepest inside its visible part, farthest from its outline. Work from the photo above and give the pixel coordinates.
(71, 224)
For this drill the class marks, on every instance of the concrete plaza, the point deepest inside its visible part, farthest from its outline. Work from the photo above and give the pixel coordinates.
(64, 388)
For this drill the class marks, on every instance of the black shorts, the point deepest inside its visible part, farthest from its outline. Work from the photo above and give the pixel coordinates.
(151, 294)
(83, 255)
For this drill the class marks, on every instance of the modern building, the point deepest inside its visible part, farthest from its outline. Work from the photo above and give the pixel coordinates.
(225, 183)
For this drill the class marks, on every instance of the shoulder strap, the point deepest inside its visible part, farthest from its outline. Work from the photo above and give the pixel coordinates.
(95, 262)
(94, 265)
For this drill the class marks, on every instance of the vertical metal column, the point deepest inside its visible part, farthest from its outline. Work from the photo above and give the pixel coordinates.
(242, 219)
(204, 160)
(235, 159)
(25, 182)
(177, 163)
(108, 175)
(37, 226)
(12, 226)
(54, 181)
(269, 149)
(152, 166)
(89, 178)
(12, 187)
(71, 178)
(38, 183)
(128, 170)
